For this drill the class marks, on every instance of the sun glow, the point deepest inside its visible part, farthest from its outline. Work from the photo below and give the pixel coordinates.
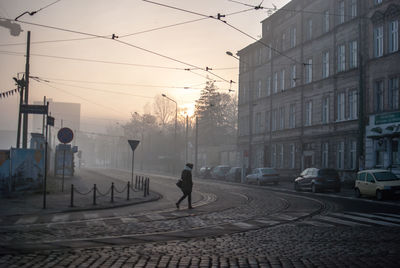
(187, 109)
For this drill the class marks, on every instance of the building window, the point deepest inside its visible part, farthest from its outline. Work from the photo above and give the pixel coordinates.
(325, 110)
(268, 86)
(274, 119)
(308, 113)
(353, 105)
(284, 41)
(292, 156)
(353, 8)
(273, 156)
(378, 96)
(393, 36)
(293, 76)
(309, 29)
(393, 95)
(378, 41)
(259, 89)
(292, 116)
(341, 58)
(326, 21)
(340, 106)
(281, 156)
(340, 155)
(292, 37)
(281, 117)
(283, 72)
(267, 128)
(309, 69)
(325, 153)
(353, 47)
(377, 2)
(353, 154)
(325, 64)
(275, 86)
(341, 12)
(258, 123)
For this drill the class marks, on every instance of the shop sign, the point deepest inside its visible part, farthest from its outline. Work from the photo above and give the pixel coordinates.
(387, 118)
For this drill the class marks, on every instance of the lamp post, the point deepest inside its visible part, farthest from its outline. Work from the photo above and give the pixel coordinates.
(176, 122)
(249, 152)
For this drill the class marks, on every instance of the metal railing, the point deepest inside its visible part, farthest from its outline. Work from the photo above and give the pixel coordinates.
(142, 184)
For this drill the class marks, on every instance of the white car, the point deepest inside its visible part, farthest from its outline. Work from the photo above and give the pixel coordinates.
(262, 176)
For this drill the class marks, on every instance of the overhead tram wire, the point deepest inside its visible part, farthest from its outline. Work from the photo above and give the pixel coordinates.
(298, 11)
(77, 96)
(114, 84)
(34, 12)
(125, 43)
(219, 16)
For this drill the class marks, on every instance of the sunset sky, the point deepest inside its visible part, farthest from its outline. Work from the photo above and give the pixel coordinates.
(112, 79)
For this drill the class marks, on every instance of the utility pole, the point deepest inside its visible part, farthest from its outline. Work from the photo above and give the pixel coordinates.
(196, 146)
(25, 121)
(186, 140)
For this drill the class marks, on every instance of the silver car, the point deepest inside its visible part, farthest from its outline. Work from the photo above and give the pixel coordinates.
(262, 176)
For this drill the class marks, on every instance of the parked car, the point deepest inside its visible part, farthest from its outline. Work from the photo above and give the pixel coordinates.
(219, 172)
(262, 176)
(318, 179)
(234, 174)
(378, 183)
(204, 172)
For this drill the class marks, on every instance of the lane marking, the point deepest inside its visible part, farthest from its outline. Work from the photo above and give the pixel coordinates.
(376, 217)
(316, 223)
(390, 215)
(155, 217)
(243, 225)
(365, 219)
(27, 220)
(340, 221)
(58, 218)
(267, 222)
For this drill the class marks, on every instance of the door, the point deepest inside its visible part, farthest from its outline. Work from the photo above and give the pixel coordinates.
(308, 159)
(370, 185)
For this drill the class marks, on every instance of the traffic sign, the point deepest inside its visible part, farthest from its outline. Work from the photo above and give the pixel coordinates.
(133, 144)
(50, 121)
(33, 109)
(65, 135)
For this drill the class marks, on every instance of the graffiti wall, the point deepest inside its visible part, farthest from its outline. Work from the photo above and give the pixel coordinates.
(27, 169)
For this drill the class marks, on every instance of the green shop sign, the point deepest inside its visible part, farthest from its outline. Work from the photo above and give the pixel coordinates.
(387, 118)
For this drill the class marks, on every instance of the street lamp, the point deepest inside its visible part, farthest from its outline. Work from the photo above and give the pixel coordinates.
(176, 122)
(250, 115)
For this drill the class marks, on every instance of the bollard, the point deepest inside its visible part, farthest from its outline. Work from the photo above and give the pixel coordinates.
(136, 182)
(112, 192)
(127, 194)
(72, 196)
(94, 194)
(144, 190)
(142, 183)
(148, 186)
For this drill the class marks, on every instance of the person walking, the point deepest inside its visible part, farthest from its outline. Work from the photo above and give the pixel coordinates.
(187, 185)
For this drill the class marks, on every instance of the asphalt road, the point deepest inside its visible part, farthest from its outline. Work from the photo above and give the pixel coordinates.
(231, 225)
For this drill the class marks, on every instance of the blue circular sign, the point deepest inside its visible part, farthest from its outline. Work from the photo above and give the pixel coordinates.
(65, 135)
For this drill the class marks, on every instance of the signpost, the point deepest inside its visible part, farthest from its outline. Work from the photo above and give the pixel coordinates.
(44, 110)
(64, 135)
(133, 144)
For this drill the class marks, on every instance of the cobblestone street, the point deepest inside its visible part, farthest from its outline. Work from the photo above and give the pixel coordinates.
(232, 225)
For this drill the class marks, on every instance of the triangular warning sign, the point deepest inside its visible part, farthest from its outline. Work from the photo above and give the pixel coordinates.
(133, 144)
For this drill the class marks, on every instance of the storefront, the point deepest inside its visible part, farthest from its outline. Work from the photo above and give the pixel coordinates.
(382, 145)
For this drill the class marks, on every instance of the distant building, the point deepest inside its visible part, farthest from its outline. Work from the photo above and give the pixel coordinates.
(308, 88)
(65, 114)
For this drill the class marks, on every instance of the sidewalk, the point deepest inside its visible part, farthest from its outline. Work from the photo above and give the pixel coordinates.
(31, 203)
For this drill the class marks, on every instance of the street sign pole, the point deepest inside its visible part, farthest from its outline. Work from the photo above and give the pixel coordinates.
(45, 160)
(63, 170)
(133, 144)
(65, 135)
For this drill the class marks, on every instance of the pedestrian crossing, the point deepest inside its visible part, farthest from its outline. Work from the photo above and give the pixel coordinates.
(354, 219)
(331, 219)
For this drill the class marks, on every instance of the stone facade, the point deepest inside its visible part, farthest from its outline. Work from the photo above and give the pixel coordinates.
(304, 85)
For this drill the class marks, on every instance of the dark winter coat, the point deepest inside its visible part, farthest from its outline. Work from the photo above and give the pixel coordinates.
(186, 177)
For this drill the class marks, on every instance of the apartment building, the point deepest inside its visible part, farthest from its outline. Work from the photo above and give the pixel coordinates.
(303, 85)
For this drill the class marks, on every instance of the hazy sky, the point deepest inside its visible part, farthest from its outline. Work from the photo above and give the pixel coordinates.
(115, 91)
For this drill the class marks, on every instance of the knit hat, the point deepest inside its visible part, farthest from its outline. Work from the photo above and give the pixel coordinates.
(190, 165)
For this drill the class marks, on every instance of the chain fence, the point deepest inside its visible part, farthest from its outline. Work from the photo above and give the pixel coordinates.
(142, 184)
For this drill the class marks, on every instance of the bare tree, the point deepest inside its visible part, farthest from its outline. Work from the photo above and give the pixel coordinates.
(164, 109)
